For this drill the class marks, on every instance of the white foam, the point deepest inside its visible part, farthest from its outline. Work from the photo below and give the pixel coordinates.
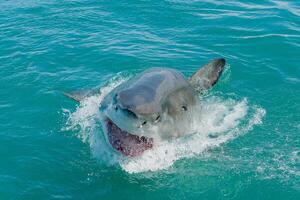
(219, 121)
(85, 121)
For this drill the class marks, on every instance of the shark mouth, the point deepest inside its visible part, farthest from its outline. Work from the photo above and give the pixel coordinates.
(126, 143)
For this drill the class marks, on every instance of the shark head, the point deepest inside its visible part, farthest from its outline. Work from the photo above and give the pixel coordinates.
(157, 99)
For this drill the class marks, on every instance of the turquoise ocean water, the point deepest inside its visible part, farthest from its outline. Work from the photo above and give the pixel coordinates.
(51, 147)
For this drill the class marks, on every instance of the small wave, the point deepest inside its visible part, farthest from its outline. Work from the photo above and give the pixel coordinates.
(268, 35)
(288, 6)
(220, 120)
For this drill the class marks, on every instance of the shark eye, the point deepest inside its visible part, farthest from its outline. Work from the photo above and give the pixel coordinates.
(116, 107)
(145, 122)
(157, 119)
(184, 108)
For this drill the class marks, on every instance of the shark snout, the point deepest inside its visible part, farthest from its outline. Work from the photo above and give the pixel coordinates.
(122, 104)
(132, 107)
(127, 99)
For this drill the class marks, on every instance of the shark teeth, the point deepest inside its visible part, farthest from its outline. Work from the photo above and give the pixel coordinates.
(126, 143)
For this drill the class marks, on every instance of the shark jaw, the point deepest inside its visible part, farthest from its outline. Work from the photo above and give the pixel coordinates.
(126, 143)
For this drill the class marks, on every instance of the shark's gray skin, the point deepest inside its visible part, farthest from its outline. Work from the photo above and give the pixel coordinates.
(154, 104)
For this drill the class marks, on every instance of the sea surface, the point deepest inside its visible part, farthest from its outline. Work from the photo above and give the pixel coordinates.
(246, 143)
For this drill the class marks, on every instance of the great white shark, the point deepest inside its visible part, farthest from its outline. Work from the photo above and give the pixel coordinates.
(154, 104)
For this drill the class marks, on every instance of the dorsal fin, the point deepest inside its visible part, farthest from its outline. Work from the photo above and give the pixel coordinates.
(208, 75)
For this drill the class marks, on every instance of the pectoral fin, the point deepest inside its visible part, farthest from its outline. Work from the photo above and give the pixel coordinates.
(208, 75)
(79, 95)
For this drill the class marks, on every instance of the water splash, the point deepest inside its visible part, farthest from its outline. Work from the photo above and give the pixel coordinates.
(85, 121)
(220, 120)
